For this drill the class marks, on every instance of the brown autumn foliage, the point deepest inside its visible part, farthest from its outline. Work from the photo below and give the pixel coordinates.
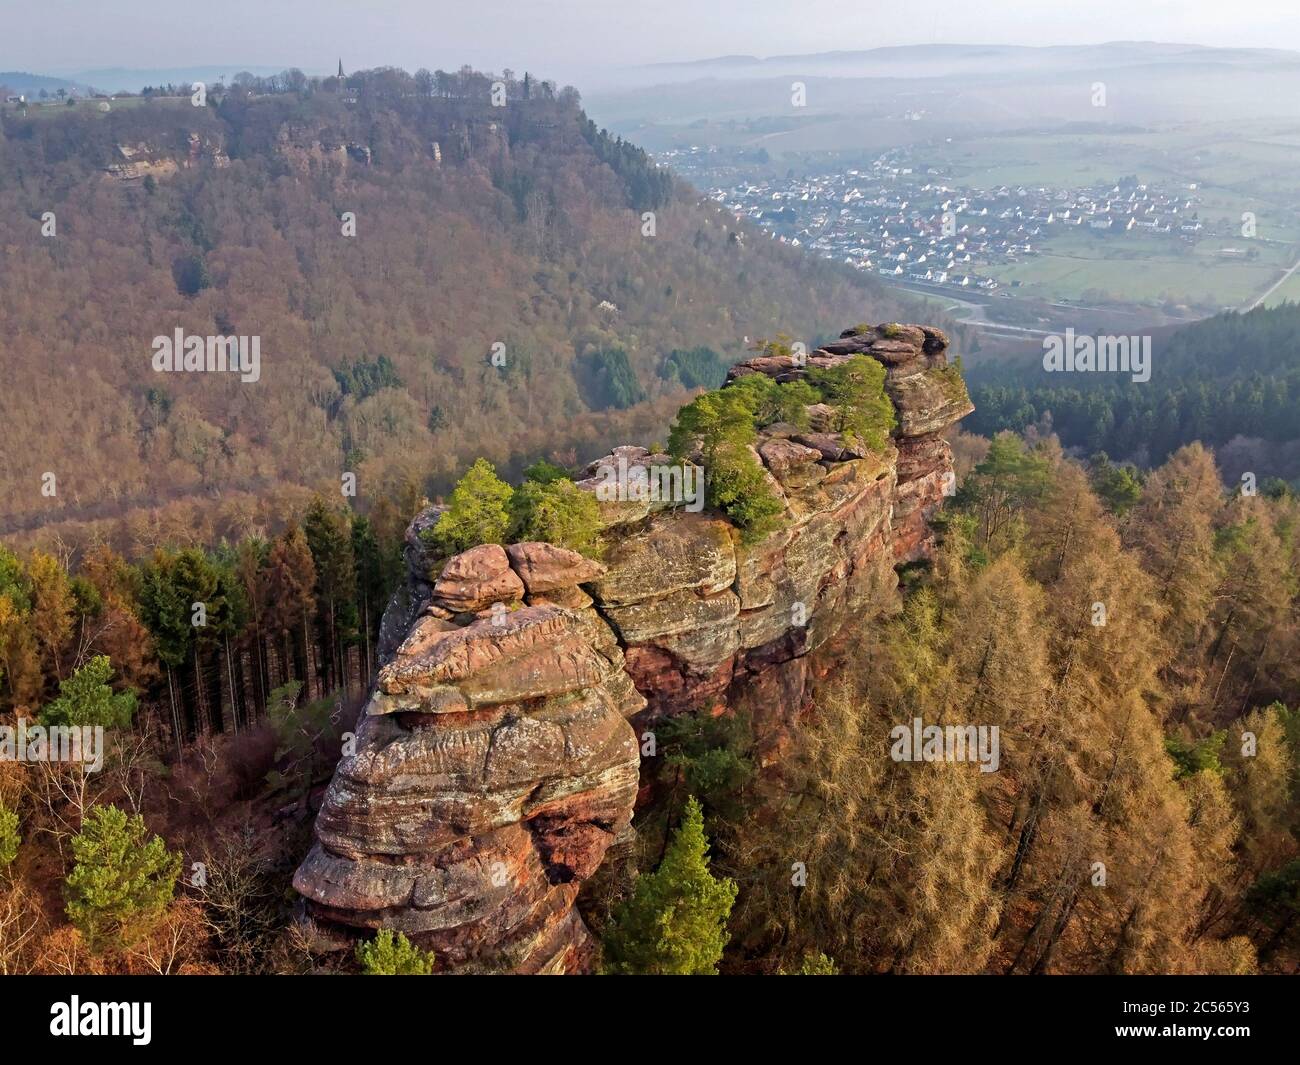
(1143, 817)
(1145, 812)
(227, 221)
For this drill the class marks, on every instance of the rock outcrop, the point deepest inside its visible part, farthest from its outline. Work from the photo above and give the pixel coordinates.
(498, 757)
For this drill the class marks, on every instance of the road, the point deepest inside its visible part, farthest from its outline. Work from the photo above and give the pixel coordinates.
(1274, 287)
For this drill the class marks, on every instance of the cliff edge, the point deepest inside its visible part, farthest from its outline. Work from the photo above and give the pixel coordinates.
(498, 757)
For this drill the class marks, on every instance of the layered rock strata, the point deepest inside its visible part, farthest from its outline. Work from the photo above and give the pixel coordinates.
(497, 759)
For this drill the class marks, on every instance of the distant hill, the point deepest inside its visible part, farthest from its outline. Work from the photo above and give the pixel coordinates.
(130, 79)
(945, 60)
(30, 85)
(958, 87)
(517, 230)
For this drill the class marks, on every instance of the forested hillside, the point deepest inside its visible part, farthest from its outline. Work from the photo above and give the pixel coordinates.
(1143, 668)
(1231, 376)
(1139, 654)
(681, 726)
(516, 231)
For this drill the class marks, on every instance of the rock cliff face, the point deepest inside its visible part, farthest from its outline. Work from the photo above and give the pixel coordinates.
(498, 757)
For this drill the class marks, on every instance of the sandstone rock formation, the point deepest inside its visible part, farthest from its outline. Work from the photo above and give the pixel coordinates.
(498, 757)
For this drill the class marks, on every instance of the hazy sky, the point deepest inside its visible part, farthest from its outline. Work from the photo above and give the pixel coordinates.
(564, 38)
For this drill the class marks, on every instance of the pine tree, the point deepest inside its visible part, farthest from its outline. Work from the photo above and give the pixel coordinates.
(197, 582)
(815, 964)
(558, 512)
(675, 923)
(371, 587)
(86, 698)
(250, 570)
(856, 389)
(122, 880)
(478, 511)
(393, 955)
(1001, 487)
(1274, 901)
(228, 617)
(1118, 487)
(166, 612)
(719, 428)
(330, 541)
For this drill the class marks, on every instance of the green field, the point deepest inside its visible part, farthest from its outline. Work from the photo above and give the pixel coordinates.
(1234, 169)
(1289, 291)
(1145, 269)
(55, 108)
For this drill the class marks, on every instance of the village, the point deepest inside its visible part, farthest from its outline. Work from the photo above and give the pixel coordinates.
(912, 224)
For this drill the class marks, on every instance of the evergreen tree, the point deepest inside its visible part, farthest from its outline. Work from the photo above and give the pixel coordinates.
(393, 955)
(771, 402)
(13, 581)
(228, 616)
(249, 567)
(999, 489)
(166, 613)
(612, 381)
(478, 511)
(197, 582)
(558, 512)
(817, 964)
(122, 880)
(1274, 901)
(675, 923)
(371, 587)
(86, 698)
(1119, 487)
(856, 389)
(695, 367)
(330, 541)
(719, 427)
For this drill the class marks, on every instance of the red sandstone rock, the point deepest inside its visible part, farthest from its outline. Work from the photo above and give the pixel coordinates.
(497, 765)
(426, 632)
(927, 401)
(545, 568)
(570, 598)
(477, 578)
(831, 446)
(784, 456)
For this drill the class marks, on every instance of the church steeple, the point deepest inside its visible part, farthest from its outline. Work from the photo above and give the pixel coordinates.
(340, 67)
